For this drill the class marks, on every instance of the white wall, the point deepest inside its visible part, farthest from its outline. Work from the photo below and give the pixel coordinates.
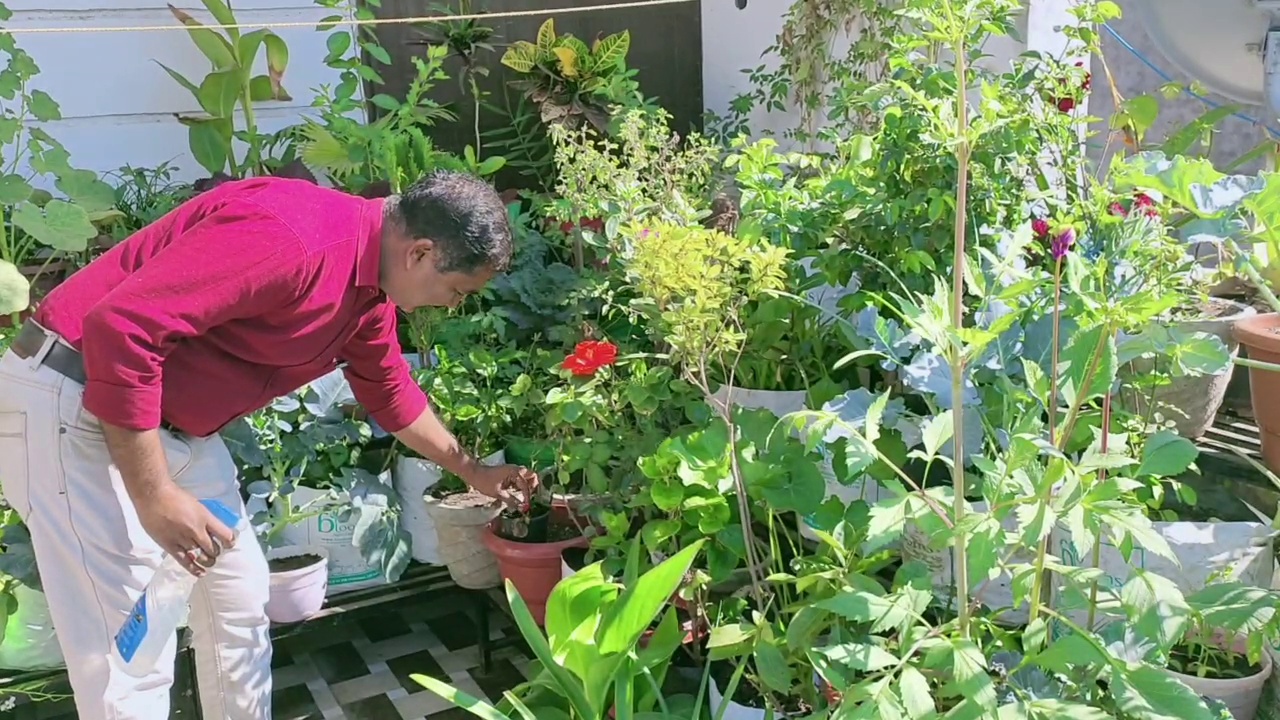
(118, 105)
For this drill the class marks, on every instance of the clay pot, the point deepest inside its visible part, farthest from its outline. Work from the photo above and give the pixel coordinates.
(1260, 335)
(534, 568)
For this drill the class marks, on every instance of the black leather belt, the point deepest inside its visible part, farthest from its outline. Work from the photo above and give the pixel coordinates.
(61, 358)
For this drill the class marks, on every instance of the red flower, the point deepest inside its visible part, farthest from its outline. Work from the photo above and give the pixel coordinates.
(567, 227)
(590, 356)
(1143, 200)
(1040, 227)
(595, 225)
(1118, 209)
(1066, 104)
(1088, 78)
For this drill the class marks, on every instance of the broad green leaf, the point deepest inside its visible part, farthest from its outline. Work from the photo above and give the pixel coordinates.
(1070, 651)
(772, 667)
(639, 606)
(338, 45)
(937, 431)
(223, 16)
(1054, 709)
(210, 144)
(1143, 692)
(861, 657)
(86, 189)
(916, 694)
(1180, 141)
(43, 107)
(1091, 356)
(565, 683)
(491, 165)
(611, 51)
(14, 189)
(260, 89)
(1161, 612)
(15, 291)
(1167, 454)
(573, 599)
(218, 93)
(521, 56)
(470, 703)
(547, 35)
(215, 47)
(61, 226)
(1142, 112)
(277, 59)
(568, 61)
(1192, 183)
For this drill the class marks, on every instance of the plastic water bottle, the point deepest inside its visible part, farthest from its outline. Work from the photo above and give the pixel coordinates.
(155, 616)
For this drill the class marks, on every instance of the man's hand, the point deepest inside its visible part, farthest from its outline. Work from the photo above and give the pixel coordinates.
(185, 528)
(512, 484)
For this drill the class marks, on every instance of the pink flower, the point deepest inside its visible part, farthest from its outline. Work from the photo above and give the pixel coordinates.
(1118, 209)
(1040, 227)
(1062, 243)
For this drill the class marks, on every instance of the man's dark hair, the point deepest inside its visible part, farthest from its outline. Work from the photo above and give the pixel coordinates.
(462, 215)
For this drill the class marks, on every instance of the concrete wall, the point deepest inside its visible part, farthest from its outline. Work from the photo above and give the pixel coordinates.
(118, 105)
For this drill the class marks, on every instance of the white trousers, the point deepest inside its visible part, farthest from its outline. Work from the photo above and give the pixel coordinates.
(95, 559)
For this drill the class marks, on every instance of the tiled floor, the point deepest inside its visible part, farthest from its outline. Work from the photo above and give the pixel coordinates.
(359, 669)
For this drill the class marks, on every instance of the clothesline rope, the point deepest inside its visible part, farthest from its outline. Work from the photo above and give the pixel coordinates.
(347, 21)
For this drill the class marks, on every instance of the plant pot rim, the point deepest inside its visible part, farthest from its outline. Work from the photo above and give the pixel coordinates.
(1257, 679)
(528, 551)
(1259, 331)
(288, 551)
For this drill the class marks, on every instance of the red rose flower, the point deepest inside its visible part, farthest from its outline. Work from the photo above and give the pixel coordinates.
(1040, 227)
(590, 356)
(1066, 104)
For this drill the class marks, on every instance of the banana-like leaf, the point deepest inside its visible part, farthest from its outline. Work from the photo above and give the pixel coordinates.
(216, 48)
(471, 704)
(570, 686)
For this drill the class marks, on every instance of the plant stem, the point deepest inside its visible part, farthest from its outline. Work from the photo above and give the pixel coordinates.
(1053, 366)
(253, 157)
(957, 350)
(1097, 541)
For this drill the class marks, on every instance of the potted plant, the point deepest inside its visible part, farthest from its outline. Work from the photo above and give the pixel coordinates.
(478, 395)
(1222, 652)
(528, 542)
(608, 671)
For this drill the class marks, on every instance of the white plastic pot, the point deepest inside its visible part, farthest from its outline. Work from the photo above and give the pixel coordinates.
(297, 594)
(412, 478)
(734, 711)
(1240, 695)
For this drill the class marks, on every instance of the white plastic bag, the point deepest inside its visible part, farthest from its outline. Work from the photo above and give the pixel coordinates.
(348, 570)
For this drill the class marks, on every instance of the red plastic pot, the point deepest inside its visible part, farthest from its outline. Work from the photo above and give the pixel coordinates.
(534, 568)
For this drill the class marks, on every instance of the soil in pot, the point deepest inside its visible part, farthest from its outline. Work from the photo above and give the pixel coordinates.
(296, 562)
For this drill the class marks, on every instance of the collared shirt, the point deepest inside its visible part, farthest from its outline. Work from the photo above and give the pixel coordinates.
(241, 295)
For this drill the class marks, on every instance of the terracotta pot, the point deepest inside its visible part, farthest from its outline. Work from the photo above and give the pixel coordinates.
(534, 568)
(297, 594)
(1260, 334)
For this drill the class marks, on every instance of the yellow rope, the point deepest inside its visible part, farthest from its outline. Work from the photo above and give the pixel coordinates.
(345, 22)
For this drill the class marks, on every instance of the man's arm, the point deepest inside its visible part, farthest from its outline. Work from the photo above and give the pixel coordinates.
(381, 381)
(191, 285)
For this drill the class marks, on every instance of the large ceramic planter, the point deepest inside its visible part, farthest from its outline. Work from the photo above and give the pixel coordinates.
(460, 522)
(1190, 402)
(1240, 695)
(298, 590)
(534, 568)
(1260, 335)
(413, 477)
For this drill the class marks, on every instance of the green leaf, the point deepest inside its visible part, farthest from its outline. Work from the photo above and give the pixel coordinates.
(260, 89)
(611, 51)
(222, 15)
(218, 93)
(386, 102)
(86, 189)
(916, 694)
(1142, 112)
(937, 431)
(43, 107)
(470, 703)
(860, 656)
(214, 46)
(277, 59)
(377, 52)
(14, 189)
(773, 668)
(491, 165)
(338, 44)
(1162, 613)
(190, 86)
(61, 226)
(1167, 454)
(563, 681)
(521, 56)
(15, 291)
(639, 605)
(210, 143)
(1147, 693)
(547, 35)
(1070, 651)
(1090, 356)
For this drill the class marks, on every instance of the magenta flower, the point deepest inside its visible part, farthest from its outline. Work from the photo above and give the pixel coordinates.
(1040, 227)
(1062, 243)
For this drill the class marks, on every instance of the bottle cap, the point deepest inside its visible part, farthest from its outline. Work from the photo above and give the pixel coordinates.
(225, 515)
